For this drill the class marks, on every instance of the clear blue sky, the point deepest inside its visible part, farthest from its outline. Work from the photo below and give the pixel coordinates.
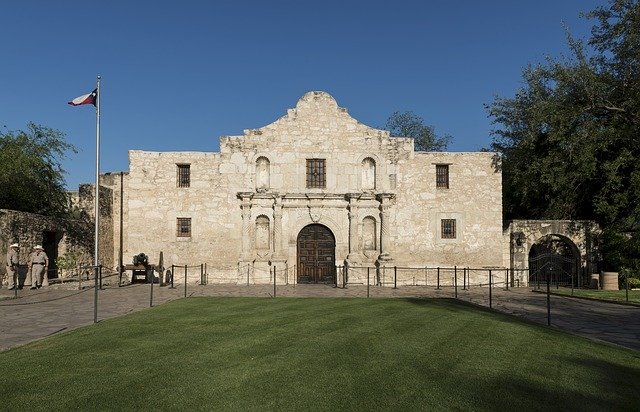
(176, 75)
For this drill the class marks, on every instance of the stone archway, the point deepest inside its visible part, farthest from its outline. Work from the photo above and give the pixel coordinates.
(316, 248)
(554, 259)
(579, 259)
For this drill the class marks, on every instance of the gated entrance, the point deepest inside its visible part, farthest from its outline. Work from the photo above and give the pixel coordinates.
(553, 260)
(316, 255)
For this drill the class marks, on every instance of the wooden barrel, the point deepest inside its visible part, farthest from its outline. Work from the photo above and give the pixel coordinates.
(609, 281)
(594, 282)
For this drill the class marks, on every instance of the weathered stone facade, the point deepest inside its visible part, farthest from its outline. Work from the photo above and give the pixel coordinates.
(251, 205)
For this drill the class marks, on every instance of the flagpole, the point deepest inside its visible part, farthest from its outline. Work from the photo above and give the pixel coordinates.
(97, 194)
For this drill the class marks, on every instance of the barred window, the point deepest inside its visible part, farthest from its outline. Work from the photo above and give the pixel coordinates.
(448, 228)
(184, 175)
(316, 173)
(184, 227)
(442, 176)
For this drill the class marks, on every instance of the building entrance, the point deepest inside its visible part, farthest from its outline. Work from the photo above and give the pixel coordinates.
(316, 255)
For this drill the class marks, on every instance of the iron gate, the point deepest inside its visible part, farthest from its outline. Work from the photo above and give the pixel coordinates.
(557, 269)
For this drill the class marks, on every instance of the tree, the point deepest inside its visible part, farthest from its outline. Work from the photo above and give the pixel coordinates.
(408, 124)
(570, 137)
(31, 177)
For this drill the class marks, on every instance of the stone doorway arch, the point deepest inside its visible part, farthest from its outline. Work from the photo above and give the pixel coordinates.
(316, 247)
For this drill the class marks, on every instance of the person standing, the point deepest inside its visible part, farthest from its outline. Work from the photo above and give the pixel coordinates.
(12, 266)
(38, 265)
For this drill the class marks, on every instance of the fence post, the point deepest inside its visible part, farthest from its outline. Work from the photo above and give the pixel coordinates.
(395, 277)
(438, 284)
(344, 276)
(173, 271)
(95, 295)
(368, 276)
(506, 278)
(464, 278)
(151, 277)
(185, 281)
(571, 284)
(548, 301)
(626, 289)
(274, 280)
(490, 292)
(455, 280)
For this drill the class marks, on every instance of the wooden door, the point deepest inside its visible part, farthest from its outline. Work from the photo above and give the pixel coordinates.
(316, 255)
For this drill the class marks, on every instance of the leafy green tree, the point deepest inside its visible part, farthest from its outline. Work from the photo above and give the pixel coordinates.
(31, 176)
(570, 137)
(408, 124)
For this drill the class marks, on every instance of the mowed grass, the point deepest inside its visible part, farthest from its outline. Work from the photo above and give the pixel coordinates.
(611, 295)
(318, 354)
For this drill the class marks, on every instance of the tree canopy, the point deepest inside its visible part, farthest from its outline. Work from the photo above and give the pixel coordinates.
(408, 124)
(570, 137)
(31, 176)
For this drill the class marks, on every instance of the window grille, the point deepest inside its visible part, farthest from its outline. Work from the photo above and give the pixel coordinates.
(448, 228)
(184, 175)
(316, 172)
(442, 176)
(184, 227)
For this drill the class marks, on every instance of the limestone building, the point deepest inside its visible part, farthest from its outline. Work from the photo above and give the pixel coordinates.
(311, 191)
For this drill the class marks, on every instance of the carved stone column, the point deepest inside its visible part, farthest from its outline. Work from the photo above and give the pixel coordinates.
(354, 222)
(277, 226)
(245, 207)
(385, 205)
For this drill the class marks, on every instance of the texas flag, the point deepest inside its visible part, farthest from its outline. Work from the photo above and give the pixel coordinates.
(85, 99)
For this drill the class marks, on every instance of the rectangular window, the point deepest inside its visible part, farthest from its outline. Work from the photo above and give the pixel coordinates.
(184, 227)
(184, 175)
(316, 173)
(448, 228)
(442, 176)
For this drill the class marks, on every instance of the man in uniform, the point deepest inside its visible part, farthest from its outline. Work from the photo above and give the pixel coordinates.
(38, 265)
(12, 266)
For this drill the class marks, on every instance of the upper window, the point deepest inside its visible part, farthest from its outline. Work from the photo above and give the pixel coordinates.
(183, 227)
(448, 228)
(184, 175)
(316, 173)
(442, 176)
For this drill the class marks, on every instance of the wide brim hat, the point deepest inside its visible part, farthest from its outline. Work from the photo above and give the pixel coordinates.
(38, 247)
(14, 245)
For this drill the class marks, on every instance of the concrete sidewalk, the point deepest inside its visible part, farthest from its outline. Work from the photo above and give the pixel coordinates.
(40, 313)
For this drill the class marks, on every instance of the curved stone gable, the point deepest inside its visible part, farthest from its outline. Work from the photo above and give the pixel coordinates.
(316, 114)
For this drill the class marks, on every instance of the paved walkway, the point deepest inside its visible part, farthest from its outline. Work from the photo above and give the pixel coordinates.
(40, 313)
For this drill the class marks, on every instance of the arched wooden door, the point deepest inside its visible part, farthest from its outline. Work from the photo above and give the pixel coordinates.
(316, 255)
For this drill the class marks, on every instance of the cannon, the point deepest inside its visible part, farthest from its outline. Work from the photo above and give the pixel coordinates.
(140, 259)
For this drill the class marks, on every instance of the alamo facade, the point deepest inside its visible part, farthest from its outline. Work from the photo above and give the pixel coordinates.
(311, 191)
(317, 191)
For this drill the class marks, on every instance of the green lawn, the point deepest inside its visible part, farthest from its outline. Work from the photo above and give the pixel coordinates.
(318, 354)
(614, 295)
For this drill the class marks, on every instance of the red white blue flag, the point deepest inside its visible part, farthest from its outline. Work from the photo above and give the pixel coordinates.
(89, 98)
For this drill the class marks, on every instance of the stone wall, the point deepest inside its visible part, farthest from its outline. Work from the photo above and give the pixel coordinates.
(28, 230)
(107, 247)
(374, 183)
